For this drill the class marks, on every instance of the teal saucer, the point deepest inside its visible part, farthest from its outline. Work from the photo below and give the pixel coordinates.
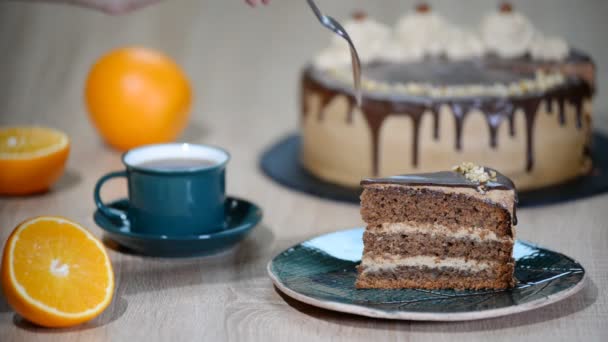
(322, 272)
(241, 217)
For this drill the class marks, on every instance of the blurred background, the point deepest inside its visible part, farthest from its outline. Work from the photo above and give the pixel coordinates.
(244, 63)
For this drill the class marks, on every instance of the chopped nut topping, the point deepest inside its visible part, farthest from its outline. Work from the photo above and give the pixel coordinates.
(475, 173)
(505, 7)
(541, 82)
(423, 8)
(359, 15)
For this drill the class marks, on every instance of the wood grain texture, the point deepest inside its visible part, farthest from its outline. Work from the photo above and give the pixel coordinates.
(244, 69)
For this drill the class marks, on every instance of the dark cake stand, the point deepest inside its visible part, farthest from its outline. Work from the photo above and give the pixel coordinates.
(281, 163)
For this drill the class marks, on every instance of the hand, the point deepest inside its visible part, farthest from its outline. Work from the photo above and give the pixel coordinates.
(125, 6)
(253, 3)
(112, 6)
(117, 6)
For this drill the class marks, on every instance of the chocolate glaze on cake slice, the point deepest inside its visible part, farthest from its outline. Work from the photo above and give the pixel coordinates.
(451, 229)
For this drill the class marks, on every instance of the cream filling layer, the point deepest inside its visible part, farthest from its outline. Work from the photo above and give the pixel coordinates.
(387, 263)
(473, 233)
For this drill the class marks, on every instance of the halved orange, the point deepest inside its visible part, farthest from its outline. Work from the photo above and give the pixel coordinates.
(55, 273)
(31, 159)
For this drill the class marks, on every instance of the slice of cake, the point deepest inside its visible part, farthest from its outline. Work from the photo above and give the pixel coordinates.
(451, 229)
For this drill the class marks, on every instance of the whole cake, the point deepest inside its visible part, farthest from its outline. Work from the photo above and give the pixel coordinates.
(451, 229)
(434, 94)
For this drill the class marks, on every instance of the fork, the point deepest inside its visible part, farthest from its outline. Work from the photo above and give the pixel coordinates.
(333, 25)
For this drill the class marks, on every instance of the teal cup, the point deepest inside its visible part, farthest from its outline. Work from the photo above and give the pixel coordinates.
(189, 200)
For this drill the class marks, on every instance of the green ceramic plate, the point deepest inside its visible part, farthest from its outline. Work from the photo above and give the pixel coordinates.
(321, 272)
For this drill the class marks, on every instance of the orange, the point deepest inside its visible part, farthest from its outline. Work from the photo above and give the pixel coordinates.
(31, 159)
(137, 96)
(55, 273)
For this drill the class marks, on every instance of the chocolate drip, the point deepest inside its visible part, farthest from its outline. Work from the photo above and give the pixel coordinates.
(512, 124)
(584, 90)
(350, 109)
(561, 107)
(435, 111)
(305, 86)
(415, 136)
(376, 109)
(380, 111)
(576, 95)
(326, 98)
(460, 110)
(578, 105)
(375, 124)
(326, 95)
(415, 113)
(549, 105)
(530, 108)
(495, 112)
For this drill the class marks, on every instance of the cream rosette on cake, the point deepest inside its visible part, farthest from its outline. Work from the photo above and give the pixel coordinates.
(370, 37)
(507, 33)
(423, 31)
(462, 44)
(510, 34)
(396, 52)
(549, 48)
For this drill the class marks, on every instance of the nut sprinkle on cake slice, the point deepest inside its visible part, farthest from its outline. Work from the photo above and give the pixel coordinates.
(451, 229)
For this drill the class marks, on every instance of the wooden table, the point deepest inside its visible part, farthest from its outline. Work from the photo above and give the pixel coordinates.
(245, 78)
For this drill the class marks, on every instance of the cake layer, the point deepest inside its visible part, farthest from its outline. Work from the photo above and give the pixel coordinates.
(423, 277)
(394, 204)
(392, 262)
(436, 245)
(434, 229)
(500, 190)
